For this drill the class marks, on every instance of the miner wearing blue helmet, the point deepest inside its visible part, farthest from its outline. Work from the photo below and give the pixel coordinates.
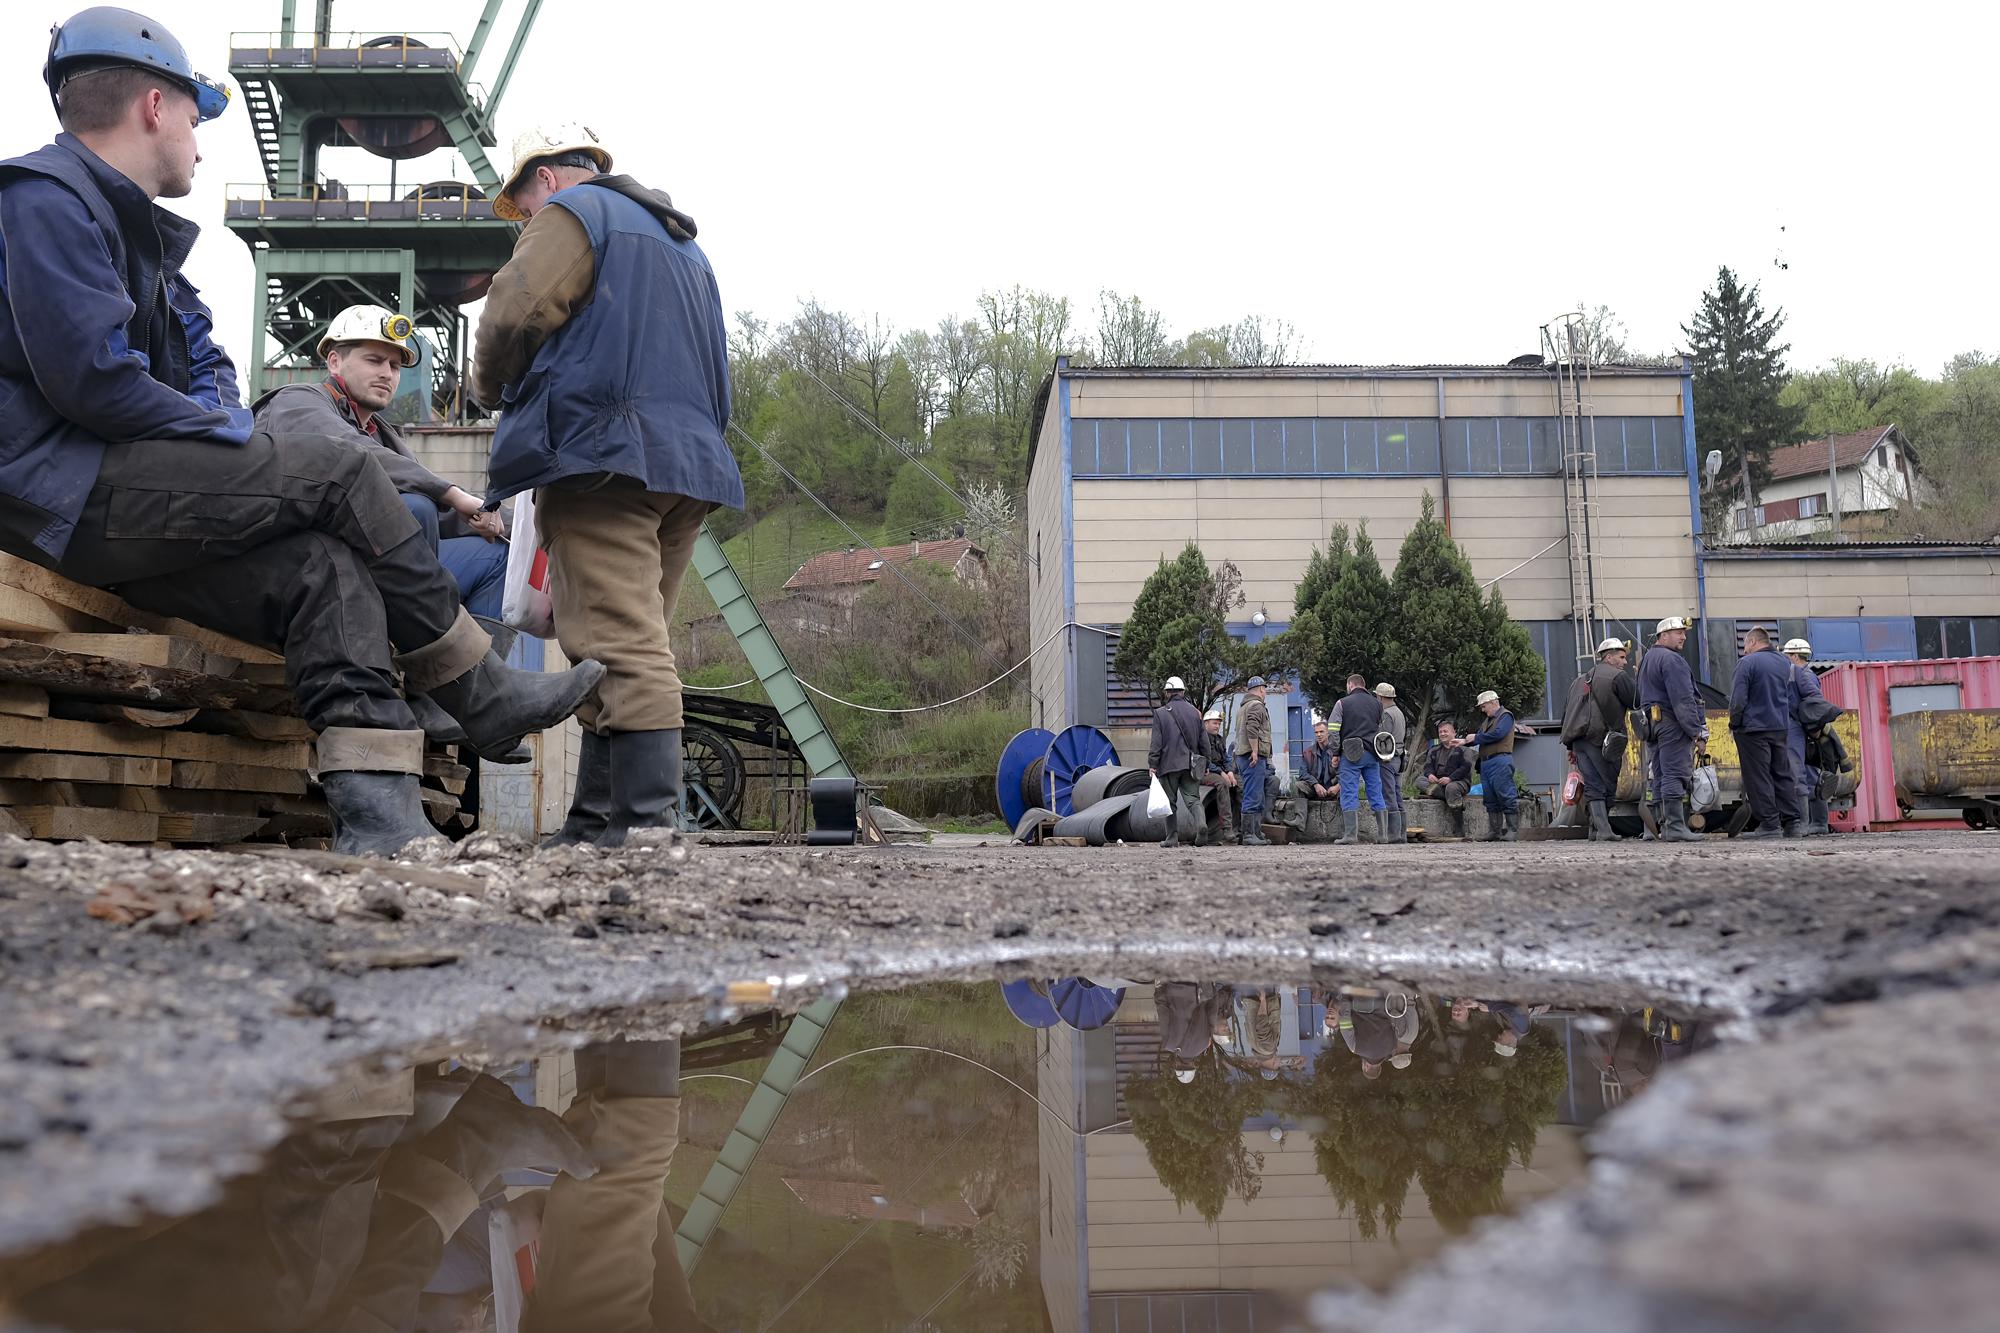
(128, 461)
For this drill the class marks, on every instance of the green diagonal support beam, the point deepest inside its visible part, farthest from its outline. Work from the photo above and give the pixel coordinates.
(760, 1116)
(768, 660)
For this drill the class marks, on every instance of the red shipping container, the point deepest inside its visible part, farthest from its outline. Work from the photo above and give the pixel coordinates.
(1875, 691)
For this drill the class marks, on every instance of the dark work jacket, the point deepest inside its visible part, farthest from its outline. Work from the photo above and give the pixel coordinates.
(1449, 763)
(1607, 694)
(313, 409)
(1216, 750)
(637, 382)
(1666, 682)
(1187, 1022)
(103, 341)
(1805, 685)
(1360, 714)
(1177, 739)
(1319, 765)
(1760, 697)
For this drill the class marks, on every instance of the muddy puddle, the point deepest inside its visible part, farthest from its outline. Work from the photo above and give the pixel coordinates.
(1071, 1154)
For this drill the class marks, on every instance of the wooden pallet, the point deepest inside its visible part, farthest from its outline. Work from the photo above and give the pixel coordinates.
(125, 726)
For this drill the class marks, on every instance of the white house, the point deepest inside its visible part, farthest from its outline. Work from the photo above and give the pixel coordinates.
(1876, 472)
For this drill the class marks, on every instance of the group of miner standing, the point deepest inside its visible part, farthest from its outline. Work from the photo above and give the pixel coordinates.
(1360, 748)
(128, 460)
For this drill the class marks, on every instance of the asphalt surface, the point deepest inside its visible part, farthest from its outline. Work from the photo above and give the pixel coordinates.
(160, 1012)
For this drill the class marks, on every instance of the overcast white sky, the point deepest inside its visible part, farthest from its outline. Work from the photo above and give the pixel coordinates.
(1404, 183)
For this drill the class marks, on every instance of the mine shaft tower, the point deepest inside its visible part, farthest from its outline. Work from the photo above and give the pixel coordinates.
(425, 248)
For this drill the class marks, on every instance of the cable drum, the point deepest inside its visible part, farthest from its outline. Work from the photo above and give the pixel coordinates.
(1031, 781)
(1101, 784)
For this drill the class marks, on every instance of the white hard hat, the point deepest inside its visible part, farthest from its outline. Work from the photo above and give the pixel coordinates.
(370, 324)
(1610, 645)
(1176, 683)
(1184, 1075)
(1212, 715)
(1502, 1048)
(1385, 691)
(1487, 697)
(540, 142)
(1797, 646)
(1671, 622)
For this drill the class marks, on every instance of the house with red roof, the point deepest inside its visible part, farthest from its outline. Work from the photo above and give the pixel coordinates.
(820, 597)
(1861, 478)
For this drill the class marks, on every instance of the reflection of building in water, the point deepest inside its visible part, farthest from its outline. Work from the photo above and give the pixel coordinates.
(1118, 1252)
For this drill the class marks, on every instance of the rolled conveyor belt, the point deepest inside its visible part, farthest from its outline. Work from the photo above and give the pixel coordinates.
(1110, 805)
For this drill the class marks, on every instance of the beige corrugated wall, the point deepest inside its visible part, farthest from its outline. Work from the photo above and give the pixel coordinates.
(1880, 585)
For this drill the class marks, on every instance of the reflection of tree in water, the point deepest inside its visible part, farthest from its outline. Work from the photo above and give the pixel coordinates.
(1454, 1120)
(1193, 1133)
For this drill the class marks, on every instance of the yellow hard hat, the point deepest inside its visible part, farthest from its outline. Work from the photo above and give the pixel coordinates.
(538, 143)
(371, 324)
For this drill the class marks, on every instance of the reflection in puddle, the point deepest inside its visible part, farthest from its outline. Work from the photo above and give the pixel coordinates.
(1078, 1154)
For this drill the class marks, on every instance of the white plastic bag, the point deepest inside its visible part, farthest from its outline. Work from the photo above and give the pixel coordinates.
(524, 604)
(1705, 789)
(1157, 804)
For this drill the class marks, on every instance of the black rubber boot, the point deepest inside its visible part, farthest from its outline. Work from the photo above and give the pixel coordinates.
(1496, 825)
(645, 788)
(1513, 833)
(1816, 818)
(1350, 824)
(502, 634)
(375, 814)
(1253, 829)
(499, 705)
(590, 807)
(1600, 824)
(1675, 827)
(439, 725)
(1398, 829)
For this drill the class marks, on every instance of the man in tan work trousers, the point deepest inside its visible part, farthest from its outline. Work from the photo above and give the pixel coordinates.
(603, 343)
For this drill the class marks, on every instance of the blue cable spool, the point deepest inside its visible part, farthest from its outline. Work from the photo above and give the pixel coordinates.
(1017, 784)
(1075, 751)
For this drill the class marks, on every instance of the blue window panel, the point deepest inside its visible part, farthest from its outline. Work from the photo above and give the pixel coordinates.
(1609, 433)
(1207, 448)
(1332, 446)
(1423, 433)
(1455, 452)
(1236, 451)
(1482, 446)
(1269, 438)
(1513, 445)
(1364, 448)
(1864, 639)
(1176, 448)
(1392, 445)
(1642, 445)
(1144, 442)
(1083, 446)
(1299, 459)
(1887, 639)
(1113, 457)
(1545, 445)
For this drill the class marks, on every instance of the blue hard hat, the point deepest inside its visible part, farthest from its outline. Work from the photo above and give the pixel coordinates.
(104, 36)
(1253, 682)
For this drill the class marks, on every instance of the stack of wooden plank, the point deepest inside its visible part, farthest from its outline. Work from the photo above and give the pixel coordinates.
(131, 727)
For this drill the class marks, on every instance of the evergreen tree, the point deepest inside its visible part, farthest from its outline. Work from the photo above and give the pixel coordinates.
(1347, 598)
(1510, 666)
(1178, 626)
(1434, 654)
(1193, 1134)
(1739, 384)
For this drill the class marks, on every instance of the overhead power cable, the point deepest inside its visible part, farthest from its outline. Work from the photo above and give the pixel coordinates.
(898, 445)
(971, 640)
(921, 708)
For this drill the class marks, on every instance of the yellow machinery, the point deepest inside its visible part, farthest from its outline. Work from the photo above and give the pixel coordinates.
(1948, 758)
(1729, 771)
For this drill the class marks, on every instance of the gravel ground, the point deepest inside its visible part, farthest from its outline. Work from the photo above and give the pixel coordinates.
(161, 1010)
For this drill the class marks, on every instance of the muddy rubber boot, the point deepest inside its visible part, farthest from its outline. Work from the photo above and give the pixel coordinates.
(1496, 824)
(1513, 833)
(1794, 829)
(1397, 831)
(1675, 827)
(590, 807)
(1600, 824)
(1816, 819)
(375, 814)
(1350, 823)
(502, 634)
(1253, 830)
(499, 705)
(645, 789)
(441, 726)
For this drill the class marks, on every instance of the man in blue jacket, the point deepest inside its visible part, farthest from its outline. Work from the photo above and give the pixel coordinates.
(128, 461)
(1675, 719)
(1760, 712)
(603, 340)
(1495, 743)
(1811, 806)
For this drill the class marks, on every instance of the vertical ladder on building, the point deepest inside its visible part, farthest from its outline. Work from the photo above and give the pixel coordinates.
(767, 1102)
(767, 660)
(1565, 344)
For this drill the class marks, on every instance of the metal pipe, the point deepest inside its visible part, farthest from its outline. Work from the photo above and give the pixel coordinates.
(1833, 482)
(478, 42)
(1525, 563)
(1444, 464)
(288, 23)
(513, 54)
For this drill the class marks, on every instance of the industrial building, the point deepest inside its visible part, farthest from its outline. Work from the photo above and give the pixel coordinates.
(1576, 489)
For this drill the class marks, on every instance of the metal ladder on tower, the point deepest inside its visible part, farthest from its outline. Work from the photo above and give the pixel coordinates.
(1566, 345)
(263, 112)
